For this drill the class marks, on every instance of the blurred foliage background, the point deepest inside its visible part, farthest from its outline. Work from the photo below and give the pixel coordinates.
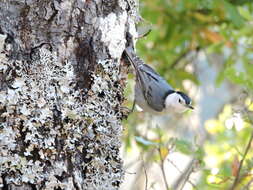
(202, 47)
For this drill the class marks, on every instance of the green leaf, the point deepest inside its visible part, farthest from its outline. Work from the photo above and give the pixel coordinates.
(220, 78)
(183, 146)
(199, 153)
(233, 14)
(182, 74)
(245, 13)
(249, 69)
(215, 47)
(234, 76)
(249, 84)
(240, 2)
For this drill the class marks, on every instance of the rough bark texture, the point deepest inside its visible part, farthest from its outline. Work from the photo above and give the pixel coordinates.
(61, 89)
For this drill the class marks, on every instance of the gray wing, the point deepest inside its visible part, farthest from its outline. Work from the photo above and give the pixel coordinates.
(154, 87)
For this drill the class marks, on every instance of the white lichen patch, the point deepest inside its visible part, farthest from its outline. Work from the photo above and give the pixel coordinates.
(3, 58)
(105, 128)
(28, 104)
(40, 106)
(112, 29)
(2, 39)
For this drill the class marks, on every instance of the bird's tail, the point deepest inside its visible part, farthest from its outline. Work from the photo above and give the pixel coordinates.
(133, 58)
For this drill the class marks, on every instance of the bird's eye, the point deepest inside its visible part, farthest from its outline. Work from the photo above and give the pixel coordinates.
(179, 100)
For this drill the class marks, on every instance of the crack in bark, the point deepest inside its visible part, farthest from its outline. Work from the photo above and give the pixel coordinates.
(85, 63)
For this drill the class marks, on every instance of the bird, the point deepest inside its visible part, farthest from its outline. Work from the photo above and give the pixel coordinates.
(152, 92)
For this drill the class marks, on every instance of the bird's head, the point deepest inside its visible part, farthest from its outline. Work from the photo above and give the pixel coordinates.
(178, 102)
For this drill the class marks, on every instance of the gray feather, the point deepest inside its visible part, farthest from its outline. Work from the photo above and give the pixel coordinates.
(150, 89)
(154, 87)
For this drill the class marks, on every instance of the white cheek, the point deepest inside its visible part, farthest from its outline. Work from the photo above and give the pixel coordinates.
(172, 104)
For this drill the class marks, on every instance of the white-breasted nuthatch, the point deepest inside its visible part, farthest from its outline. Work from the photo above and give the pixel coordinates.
(152, 92)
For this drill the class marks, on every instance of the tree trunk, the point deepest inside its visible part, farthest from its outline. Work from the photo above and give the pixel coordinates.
(61, 89)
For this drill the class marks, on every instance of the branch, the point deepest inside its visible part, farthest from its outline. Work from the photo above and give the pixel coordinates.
(138, 170)
(179, 58)
(247, 186)
(162, 161)
(162, 168)
(181, 172)
(146, 175)
(235, 183)
(187, 178)
(182, 56)
(185, 175)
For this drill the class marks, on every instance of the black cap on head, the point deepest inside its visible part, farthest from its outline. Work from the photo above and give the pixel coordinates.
(185, 97)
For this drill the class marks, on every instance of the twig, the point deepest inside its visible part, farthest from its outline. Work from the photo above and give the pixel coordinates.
(162, 168)
(182, 56)
(247, 186)
(146, 176)
(179, 58)
(145, 172)
(223, 180)
(139, 174)
(172, 163)
(186, 178)
(187, 171)
(235, 183)
(162, 162)
(189, 181)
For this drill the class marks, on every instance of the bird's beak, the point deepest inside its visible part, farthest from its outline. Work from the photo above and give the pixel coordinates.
(189, 106)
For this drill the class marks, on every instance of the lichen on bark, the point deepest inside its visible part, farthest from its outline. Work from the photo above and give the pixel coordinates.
(61, 90)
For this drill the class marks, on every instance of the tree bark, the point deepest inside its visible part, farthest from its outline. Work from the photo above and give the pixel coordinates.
(61, 90)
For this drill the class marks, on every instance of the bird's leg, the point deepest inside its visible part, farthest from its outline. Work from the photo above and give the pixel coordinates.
(126, 111)
(133, 106)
